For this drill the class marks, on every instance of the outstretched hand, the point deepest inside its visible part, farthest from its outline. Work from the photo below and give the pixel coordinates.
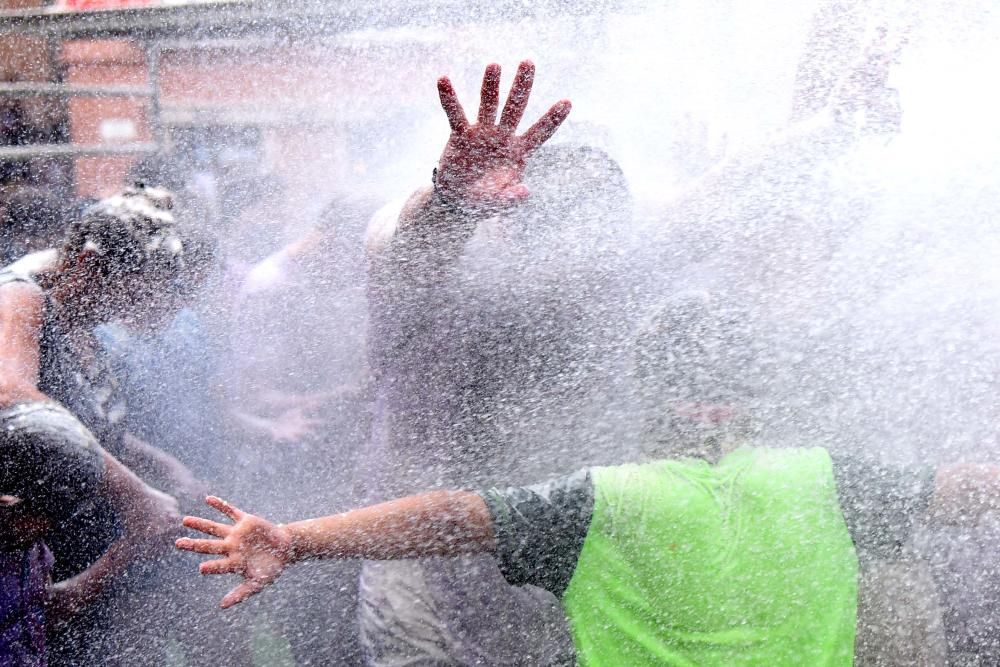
(483, 163)
(252, 547)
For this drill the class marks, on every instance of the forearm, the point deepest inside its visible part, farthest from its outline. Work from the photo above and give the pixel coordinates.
(70, 596)
(150, 463)
(439, 523)
(120, 485)
(964, 492)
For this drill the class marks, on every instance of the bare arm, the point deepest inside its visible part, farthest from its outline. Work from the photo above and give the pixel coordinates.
(963, 492)
(22, 310)
(71, 596)
(440, 523)
(478, 174)
(149, 518)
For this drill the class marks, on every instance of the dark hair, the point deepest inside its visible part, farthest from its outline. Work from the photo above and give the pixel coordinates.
(157, 170)
(135, 232)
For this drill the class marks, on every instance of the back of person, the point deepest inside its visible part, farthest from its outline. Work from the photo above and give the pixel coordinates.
(747, 562)
(504, 348)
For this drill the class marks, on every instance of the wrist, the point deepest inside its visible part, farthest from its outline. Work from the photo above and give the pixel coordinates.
(294, 547)
(443, 197)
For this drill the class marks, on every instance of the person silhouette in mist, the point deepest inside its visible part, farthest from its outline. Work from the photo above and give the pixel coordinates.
(489, 296)
(719, 554)
(124, 258)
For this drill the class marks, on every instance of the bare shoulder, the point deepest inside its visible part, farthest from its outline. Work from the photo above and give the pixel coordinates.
(395, 218)
(21, 302)
(22, 308)
(382, 226)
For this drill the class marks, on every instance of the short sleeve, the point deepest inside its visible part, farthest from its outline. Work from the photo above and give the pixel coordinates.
(540, 529)
(882, 504)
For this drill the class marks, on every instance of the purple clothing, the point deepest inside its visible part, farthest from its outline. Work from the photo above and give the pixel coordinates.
(24, 576)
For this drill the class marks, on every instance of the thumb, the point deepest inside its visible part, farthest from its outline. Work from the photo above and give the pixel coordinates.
(243, 591)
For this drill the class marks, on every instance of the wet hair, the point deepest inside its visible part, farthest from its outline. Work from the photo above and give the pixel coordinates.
(48, 460)
(158, 170)
(135, 233)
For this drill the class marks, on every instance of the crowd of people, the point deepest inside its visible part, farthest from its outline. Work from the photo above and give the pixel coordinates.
(555, 428)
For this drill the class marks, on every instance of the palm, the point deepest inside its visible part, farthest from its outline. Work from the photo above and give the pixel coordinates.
(484, 162)
(254, 548)
(260, 546)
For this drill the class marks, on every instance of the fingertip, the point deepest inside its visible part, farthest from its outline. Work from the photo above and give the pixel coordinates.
(517, 193)
(231, 599)
(527, 63)
(564, 106)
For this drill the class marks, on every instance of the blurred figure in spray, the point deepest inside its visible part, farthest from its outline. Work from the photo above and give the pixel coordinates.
(167, 373)
(491, 296)
(717, 551)
(702, 374)
(765, 223)
(124, 258)
(301, 405)
(290, 378)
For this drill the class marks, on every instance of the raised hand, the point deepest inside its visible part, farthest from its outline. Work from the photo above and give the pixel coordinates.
(252, 547)
(483, 163)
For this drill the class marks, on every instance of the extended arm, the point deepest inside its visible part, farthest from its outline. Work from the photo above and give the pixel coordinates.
(72, 595)
(963, 492)
(440, 523)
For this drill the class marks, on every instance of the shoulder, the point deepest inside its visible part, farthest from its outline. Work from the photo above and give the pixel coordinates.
(21, 301)
(383, 225)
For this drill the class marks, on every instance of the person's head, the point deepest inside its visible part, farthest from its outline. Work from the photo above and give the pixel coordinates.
(341, 227)
(694, 359)
(863, 98)
(131, 261)
(50, 467)
(578, 194)
(158, 170)
(30, 220)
